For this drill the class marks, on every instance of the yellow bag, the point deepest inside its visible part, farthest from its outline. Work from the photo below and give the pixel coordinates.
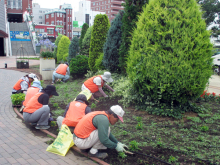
(87, 93)
(63, 142)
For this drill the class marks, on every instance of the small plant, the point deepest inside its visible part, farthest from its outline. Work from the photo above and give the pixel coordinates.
(139, 119)
(122, 155)
(133, 146)
(159, 142)
(172, 159)
(204, 128)
(55, 105)
(93, 106)
(66, 95)
(53, 123)
(17, 99)
(47, 55)
(124, 133)
(139, 126)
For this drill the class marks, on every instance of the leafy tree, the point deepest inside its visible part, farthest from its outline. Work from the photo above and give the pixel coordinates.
(74, 48)
(56, 48)
(98, 36)
(86, 42)
(210, 9)
(132, 8)
(112, 44)
(63, 48)
(170, 55)
(98, 62)
(83, 32)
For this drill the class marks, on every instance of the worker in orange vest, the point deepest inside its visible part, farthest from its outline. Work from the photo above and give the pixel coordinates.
(37, 109)
(93, 132)
(95, 84)
(74, 112)
(62, 72)
(23, 83)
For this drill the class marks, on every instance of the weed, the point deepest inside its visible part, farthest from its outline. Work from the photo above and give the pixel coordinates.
(55, 105)
(204, 128)
(133, 146)
(139, 126)
(67, 95)
(53, 123)
(51, 137)
(159, 143)
(93, 106)
(122, 155)
(124, 133)
(139, 119)
(172, 159)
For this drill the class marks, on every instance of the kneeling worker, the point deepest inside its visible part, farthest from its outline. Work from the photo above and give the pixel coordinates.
(62, 71)
(37, 109)
(93, 132)
(75, 110)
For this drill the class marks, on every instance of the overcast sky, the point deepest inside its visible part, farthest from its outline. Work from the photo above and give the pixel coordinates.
(56, 3)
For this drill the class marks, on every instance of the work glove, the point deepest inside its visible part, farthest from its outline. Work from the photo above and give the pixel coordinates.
(106, 96)
(121, 147)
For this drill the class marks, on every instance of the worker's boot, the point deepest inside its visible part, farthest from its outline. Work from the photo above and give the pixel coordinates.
(100, 155)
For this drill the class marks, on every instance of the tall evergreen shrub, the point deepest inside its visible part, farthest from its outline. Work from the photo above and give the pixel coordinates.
(73, 48)
(83, 32)
(112, 44)
(132, 9)
(170, 55)
(86, 42)
(56, 48)
(98, 36)
(63, 48)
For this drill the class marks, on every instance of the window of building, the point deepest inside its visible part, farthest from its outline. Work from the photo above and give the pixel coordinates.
(47, 23)
(75, 18)
(52, 22)
(40, 11)
(105, 7)
(57, 22)
(105, 2)
(90, 17)
(40, 22)
(68, 27)
(49, 31)
(14, 3)
(43, 11)
(64, 31)
(82, 4)
(61, 23)
(52, 15)
(108, 6)
(93, 3)
(102, 7)
(102, 2)
(97, 3)
(58, 14)
(19, 4)
(40, 17)
(71, 27)
(61, 31)
(97, 8)
(64, 23)
(47, 16)
(108, 1)
(9, 3)
(64, 16)
(68, 19)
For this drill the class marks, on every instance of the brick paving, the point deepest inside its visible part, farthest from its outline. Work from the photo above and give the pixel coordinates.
(19, 146)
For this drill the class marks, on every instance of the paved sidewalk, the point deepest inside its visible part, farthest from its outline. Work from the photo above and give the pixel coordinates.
(214, 84)
(19, 146)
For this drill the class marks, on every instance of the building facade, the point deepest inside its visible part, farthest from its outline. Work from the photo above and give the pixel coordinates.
(62, 18)
(39, 13)
(110, 7)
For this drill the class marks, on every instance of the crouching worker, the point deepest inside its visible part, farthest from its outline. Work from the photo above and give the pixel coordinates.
(74, 112)
(93, 132)
(62, 72)
(35, 88)
(37, 109)
(23, 83)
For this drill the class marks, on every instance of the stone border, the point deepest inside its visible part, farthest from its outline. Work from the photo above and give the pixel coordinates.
(74, 147)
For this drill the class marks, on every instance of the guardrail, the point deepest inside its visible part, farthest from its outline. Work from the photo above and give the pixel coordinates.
(9, 39)
(30, 33)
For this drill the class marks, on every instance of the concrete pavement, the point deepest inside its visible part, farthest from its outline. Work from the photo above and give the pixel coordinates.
(214, 84)
(19, 145)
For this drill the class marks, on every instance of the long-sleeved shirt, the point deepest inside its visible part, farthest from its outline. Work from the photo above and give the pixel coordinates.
(67, 70)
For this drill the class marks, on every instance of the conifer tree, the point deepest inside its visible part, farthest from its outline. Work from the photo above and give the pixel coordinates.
(86, 42)
(98, 36)
(132, 8)
(56, 43)
(83, 32)
(112, 44)
(73, 48)
(63, 48)
(170, 54)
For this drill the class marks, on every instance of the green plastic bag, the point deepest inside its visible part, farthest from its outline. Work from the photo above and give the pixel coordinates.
(63, 142)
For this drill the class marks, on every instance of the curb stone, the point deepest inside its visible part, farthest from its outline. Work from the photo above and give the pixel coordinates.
(74, 147)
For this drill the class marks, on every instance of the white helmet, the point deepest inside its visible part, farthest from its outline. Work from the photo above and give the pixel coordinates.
(32, 75)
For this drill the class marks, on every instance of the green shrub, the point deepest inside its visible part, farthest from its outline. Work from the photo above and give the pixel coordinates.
(17, 99)
(63, 48)
(86, 42)
(74, 48)
(98, 36)
(83, 32)
(98, 62)
(46, 54)
(169, 63)
(79, 65)
(112, 44)
(65, 56)
(55, 49)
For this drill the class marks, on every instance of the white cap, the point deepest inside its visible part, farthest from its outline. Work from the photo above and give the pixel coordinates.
(118, 111)
(107, 77)
(32, 75)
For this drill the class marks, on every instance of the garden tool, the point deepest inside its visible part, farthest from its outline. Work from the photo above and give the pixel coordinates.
(128, 152)
(96, 100)
(21, 109)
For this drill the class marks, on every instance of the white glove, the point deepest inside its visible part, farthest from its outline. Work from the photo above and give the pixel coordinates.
(121, 147)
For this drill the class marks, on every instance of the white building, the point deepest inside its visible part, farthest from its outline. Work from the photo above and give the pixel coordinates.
(39, 13)
(85, 14)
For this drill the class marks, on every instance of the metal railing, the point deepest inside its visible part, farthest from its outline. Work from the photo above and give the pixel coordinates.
(9, 39)
(31, 37)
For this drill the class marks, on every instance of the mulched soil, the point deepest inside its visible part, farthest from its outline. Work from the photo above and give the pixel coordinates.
(147, 154)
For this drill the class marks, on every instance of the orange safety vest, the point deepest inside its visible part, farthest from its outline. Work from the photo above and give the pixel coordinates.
(30, 93)
(17, 86)
(74, 114)
(33, 104)
(91, 85)
(62, 69)
(85, 126)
